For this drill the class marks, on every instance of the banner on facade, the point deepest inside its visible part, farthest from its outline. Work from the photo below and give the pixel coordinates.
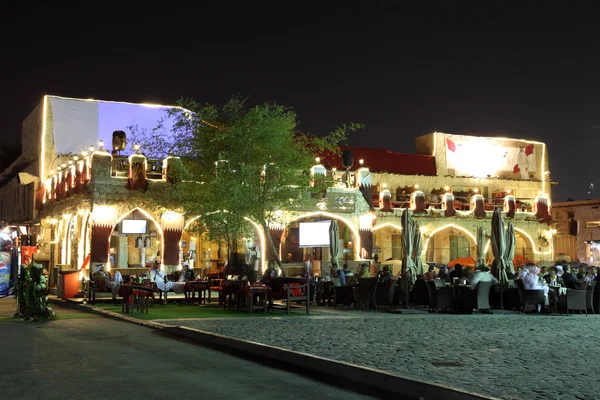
(483, 157)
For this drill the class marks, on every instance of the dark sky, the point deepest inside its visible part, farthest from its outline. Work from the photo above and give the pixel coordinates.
(404, 68)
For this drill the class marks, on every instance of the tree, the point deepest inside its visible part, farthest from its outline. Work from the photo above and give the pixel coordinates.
(248, 161)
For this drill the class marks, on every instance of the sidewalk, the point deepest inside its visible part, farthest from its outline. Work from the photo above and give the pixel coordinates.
(356, 377)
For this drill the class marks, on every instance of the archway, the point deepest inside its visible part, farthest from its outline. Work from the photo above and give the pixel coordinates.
(293, 253)
(387, 238)
(448, 243)
(208, 256)
(524, 250)
(136, 238)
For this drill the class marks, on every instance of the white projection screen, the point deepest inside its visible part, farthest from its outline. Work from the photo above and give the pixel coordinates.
(134, 226)
(314, 234)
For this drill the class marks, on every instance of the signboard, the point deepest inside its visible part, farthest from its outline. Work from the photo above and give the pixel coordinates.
(340, 202)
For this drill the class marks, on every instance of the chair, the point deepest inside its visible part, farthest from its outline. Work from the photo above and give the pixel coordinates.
(343, 296)
(589, 296)
(420, 293)
(529, 297)
(384, 295)
(366, 293)
(440, 298)
(576, 300)
(482, 299)
(296, 292)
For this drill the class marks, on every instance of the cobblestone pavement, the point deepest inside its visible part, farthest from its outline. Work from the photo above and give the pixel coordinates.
(504, 356)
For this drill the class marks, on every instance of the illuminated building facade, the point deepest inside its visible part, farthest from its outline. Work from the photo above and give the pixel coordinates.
(79, 199)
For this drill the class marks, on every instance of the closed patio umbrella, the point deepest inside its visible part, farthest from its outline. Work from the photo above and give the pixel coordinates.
(499, 247)
(334, 245)
(408, 266)
(418, 248)
(480, 248)
(509, 252)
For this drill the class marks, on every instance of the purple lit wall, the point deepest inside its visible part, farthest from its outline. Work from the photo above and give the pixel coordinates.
(78, 124)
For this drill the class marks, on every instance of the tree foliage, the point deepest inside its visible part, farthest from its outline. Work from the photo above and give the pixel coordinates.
(242, 162)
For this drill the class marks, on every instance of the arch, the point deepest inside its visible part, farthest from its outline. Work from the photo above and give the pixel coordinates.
(387, 225)
(334, 216)
(387, 240)
(147, 215)
(257, 228)
(469, 234)
(532, 243)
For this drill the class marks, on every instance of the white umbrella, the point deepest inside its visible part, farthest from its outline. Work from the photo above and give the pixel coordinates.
(334, 245)
(418, 248)
(480, 248)
(509, 252)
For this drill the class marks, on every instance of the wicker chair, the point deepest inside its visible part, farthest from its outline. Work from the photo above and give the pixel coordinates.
(440, 298)
(576, 300)
(482, 297)
(589, 296)
(420, 293)
(529, 297)
(366, 293)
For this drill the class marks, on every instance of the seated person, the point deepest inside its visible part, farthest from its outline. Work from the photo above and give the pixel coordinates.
(443, 274)
(362, 272)
(591, 276)
(581, 274)
(347, 271)
(111, 282)
(269, 274)
(341, 276)
(384, 276)
(531, 281)
(456, 273)
(553, 279)
(569, 279)
(162, 283)
(483, 274)
(187, 274)
(430, 274)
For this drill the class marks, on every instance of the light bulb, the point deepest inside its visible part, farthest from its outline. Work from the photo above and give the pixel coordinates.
(101, 144)
(361, 161)
(91, 149)
(318, 159)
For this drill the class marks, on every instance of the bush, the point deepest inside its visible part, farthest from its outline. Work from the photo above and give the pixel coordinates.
(32, 292)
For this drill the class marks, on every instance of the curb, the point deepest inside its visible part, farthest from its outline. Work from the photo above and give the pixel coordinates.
(372, 381)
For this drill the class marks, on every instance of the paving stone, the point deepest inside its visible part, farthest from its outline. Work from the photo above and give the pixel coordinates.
(505, 356)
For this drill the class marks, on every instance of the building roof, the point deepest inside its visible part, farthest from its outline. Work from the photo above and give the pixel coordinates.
(383, 160)
(575, 203)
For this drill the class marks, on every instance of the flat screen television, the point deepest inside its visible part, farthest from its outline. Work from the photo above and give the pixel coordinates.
(134, 226)
(314, 234)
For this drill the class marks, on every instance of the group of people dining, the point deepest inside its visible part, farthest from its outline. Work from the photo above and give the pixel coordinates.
(559, 276)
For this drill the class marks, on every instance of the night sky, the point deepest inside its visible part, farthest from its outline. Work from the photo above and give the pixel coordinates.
(403, 68)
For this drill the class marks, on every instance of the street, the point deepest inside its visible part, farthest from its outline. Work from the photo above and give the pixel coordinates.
(100, 358)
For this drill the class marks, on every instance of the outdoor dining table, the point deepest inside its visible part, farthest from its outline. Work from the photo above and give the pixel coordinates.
(257, 298)
(136, 296)
(198, 286)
